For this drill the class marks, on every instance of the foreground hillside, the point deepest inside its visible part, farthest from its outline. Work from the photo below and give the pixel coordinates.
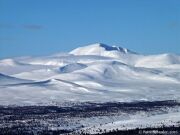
(93, 118)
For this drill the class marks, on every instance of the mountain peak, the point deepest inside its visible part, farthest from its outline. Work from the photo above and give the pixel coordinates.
(113, 48)
(100, 49)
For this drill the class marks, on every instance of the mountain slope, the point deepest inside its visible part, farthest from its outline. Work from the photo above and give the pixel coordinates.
(155, 61)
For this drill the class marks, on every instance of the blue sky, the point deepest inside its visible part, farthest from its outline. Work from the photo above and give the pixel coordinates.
(42, 27)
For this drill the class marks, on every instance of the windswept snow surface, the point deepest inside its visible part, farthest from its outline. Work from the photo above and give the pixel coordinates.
(94, 73)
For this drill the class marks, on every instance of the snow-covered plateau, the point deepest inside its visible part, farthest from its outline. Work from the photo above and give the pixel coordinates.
(96, 73)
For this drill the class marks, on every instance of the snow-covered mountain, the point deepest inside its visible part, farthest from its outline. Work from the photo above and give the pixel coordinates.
(97, 73)
(104, 87)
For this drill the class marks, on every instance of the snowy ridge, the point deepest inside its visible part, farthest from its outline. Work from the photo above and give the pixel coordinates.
(9, 62)
(6, 80)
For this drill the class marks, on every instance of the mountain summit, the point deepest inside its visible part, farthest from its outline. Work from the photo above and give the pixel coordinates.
(101, 49)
